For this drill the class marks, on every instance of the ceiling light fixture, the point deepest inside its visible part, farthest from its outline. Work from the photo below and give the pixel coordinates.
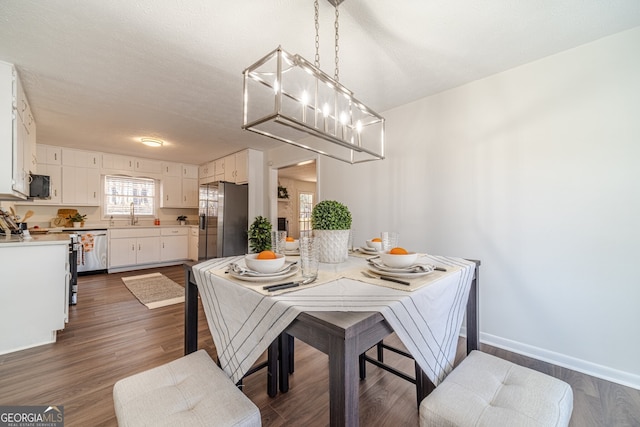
(152, 142)
(288, 98)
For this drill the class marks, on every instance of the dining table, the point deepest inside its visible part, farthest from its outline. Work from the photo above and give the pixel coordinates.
(342, 313)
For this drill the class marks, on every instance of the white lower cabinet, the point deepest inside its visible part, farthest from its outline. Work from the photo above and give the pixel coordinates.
(194, 235)
(34, 293)
(174, 244)
(133, 248)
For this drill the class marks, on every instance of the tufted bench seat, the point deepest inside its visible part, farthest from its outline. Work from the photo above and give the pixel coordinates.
(487, 391)
(190, 391)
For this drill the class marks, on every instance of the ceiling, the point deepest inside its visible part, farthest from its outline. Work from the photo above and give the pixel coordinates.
(101, 74)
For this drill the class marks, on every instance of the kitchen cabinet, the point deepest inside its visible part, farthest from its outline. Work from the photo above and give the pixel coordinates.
(34, 292)
(171, 169)
(219, 169)
(193, 243)
(179, 186)
(17, 136)
(207, 172)
(80, 177)
(148, 166)
(48, 155)
(133, 246)
(233, 168)
(174, 244)
(119, 164)
(115, 163)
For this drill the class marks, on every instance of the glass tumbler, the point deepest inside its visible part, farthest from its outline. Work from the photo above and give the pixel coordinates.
(309, 257)
(389, 240)
(278, 241)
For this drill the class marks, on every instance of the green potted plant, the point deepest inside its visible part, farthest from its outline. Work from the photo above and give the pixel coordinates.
(77, 219)
(260, 235)
(182, 219)
(331, 224)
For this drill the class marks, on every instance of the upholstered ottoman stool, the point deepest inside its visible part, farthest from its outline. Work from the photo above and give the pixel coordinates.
(487, 391)
(190, 391)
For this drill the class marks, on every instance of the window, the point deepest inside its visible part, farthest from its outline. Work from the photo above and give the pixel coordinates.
(121, 191)
(305, 205)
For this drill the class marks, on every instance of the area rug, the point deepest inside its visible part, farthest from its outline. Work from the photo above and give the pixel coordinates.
(154, 290)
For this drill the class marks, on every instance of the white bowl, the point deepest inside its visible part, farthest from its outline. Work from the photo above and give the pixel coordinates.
(374, 245)
(264, 265)
(398, 261)
(292, 246)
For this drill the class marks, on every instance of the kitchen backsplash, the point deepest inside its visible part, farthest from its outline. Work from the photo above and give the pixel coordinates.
(44, 214)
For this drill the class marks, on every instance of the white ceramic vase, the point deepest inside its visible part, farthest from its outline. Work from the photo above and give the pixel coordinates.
(333, 245)
(77, 224)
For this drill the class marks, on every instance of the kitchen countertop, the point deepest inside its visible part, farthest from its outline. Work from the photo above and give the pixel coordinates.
(112, 227)
(35, 240)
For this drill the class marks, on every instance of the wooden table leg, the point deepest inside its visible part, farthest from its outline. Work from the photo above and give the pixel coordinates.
(283, 362)
(343, 383)
(190, 311)
(473, 312)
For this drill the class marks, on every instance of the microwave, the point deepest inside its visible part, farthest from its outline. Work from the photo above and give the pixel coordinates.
(40, 187)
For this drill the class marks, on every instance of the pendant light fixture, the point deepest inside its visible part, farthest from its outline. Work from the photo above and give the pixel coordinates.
(290, 99)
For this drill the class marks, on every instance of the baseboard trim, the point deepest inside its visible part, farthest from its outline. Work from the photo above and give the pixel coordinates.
(595, 370)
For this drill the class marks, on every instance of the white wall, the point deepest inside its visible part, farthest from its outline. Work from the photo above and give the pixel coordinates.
(536, 172)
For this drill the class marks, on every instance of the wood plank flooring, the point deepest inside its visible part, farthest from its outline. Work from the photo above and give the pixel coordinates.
(111, 335)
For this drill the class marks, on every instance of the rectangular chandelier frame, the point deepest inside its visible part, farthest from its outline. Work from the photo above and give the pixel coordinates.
(287, 98)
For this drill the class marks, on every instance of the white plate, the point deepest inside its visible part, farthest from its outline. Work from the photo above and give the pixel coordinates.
(267, 277)
(382, 267)
(404, 275)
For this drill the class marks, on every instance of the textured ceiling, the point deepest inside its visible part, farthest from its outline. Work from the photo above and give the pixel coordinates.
(100, 74)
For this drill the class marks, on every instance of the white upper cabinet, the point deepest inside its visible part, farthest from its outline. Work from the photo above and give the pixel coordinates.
(17, 136)
(80, 177)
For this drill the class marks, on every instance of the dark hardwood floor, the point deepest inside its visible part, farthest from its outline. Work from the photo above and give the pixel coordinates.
(111, 335)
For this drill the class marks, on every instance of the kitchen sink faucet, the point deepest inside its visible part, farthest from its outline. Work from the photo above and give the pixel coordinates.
(132, 212)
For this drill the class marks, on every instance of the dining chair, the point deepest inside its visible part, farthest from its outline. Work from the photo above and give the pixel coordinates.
(273, 353)
(422, 387)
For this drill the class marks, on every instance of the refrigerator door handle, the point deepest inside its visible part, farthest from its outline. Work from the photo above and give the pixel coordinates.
(201, 222)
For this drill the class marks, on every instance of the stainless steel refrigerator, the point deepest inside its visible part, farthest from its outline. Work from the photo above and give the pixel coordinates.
(223, 220)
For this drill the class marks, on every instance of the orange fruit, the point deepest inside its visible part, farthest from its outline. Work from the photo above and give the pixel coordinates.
(376, 239)
(290, 239)
(398, 251)
(266, 255)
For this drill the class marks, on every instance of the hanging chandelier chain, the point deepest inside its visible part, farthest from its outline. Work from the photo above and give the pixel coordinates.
(317, 59)
(337, 72)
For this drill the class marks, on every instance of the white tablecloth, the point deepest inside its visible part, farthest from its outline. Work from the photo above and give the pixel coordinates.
(243, 322)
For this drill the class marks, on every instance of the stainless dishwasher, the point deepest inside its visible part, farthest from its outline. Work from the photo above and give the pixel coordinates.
(92, 253)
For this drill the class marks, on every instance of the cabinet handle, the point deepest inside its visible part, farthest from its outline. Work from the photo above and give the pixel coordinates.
(55, 156)
(162, 245)
(133, 247)
(139, 246)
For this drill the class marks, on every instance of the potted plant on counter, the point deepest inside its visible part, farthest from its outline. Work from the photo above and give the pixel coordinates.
(331, 224)
(182, 219)
(260, 235)
(77, 219)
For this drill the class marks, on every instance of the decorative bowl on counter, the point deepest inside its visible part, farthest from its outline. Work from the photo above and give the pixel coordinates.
(264, 265)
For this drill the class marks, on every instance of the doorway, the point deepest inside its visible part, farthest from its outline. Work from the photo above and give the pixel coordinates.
(297, 194)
